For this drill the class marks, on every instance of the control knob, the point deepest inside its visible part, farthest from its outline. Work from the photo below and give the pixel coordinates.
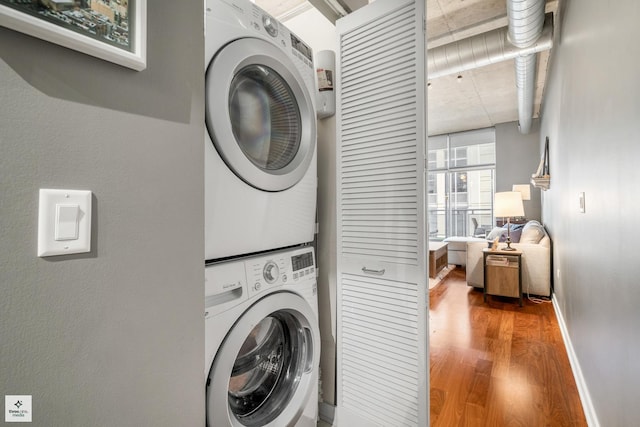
(270, 26)
(270, 272)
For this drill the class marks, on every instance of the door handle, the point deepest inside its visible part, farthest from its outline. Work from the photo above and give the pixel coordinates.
(370, 271)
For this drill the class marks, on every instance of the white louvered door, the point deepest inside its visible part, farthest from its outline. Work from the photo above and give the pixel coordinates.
(382, 369)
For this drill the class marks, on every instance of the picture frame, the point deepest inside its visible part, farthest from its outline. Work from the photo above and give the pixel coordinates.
(111, 30)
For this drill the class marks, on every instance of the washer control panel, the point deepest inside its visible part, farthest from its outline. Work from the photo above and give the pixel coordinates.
(279, 269)
(230, 283)
(271, 272)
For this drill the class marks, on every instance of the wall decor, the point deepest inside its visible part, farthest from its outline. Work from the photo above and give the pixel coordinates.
(113, 30)
(542, 178)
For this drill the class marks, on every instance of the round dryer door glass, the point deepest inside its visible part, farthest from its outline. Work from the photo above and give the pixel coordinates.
(267, 369)
(260, 115)
(265, 118)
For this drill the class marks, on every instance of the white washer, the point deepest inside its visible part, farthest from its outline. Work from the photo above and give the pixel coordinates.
(262, 340)
(260, 154)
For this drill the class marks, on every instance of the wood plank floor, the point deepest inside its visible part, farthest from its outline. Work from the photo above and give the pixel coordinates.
(495, 363)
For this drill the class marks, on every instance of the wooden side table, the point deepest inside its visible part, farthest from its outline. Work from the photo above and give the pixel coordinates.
(438, 258)
(502, 273)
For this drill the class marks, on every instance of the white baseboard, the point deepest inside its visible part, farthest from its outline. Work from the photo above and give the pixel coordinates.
(327, 412)
(583, 391)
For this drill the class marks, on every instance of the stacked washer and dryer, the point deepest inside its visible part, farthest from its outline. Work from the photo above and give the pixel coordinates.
(261, 310)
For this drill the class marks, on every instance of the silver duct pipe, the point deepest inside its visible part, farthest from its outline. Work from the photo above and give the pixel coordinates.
(526, 19)
(484, 49)
(526, 89)
(528, 33)
(525, 85)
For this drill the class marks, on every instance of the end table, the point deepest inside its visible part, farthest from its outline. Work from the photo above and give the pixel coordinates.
(502, 273)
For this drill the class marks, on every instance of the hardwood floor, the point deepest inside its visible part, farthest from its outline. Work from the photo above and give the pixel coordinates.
(495, 363)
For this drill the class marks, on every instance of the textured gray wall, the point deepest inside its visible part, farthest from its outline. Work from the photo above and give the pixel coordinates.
(591, 115)
(113, 337)
(517, 158)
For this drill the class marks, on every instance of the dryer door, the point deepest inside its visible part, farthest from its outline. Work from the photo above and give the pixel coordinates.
(264, 372)
(259, 114)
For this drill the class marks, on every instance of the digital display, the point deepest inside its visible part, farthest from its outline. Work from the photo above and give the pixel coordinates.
(302, 261)
(299, 45)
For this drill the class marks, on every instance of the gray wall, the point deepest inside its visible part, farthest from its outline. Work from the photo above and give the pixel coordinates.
(113, 337)
(517, 158)
(590, 114)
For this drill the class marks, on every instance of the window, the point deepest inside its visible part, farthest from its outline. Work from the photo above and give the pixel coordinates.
(460, 183)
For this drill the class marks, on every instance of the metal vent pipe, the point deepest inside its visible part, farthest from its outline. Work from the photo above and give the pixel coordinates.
(483, 49)
(526, 18)
(525, 27)
(525, 86)
(528, 33)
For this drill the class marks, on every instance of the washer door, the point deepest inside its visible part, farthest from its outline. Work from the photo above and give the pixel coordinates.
(259, 114)
(263, 372)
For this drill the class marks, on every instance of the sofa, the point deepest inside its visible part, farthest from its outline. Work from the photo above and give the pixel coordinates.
(457, 248)
(534, 242)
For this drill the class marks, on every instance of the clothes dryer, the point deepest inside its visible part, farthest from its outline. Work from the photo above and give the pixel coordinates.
(262, 340)
(260, 154)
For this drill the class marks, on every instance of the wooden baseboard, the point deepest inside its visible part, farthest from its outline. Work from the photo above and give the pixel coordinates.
(585, 397)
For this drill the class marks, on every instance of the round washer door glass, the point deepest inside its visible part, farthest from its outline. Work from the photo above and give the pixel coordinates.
(265, 364)
(259, 114)
(267, 370)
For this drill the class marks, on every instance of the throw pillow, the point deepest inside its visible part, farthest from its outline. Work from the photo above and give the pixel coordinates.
(515, 235)
(496, 232)
(532, 232)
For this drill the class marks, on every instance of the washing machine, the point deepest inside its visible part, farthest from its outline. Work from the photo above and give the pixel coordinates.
(262, 340)
(260, 154)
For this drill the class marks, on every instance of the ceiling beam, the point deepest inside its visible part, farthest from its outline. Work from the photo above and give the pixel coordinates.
(331, 9)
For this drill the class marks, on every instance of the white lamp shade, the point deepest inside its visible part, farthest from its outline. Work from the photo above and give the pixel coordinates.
(524, 189)
(508, 204)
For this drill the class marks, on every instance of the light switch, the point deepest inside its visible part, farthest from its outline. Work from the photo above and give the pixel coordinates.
(67, 222)
(64, 222)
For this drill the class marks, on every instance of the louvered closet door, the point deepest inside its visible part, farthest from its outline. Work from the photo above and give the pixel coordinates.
(382, 377)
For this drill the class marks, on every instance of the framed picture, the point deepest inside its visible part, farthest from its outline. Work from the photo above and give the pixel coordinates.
(113, 30)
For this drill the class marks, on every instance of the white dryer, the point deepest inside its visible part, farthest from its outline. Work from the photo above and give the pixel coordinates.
(262, 340)
(260, 154)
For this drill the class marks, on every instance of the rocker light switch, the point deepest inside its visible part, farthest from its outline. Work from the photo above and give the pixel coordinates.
(64, 222)
(67, 222)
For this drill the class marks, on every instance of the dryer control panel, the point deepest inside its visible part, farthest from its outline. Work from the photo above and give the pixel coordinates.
(264, 23)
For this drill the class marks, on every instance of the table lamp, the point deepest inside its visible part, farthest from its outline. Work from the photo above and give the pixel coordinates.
(508, 204)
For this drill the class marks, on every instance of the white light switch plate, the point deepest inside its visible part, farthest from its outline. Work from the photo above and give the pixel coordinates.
(64, 222)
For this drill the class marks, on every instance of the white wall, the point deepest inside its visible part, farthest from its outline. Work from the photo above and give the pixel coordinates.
(316, 30)
(590, 115)
(114, 337)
